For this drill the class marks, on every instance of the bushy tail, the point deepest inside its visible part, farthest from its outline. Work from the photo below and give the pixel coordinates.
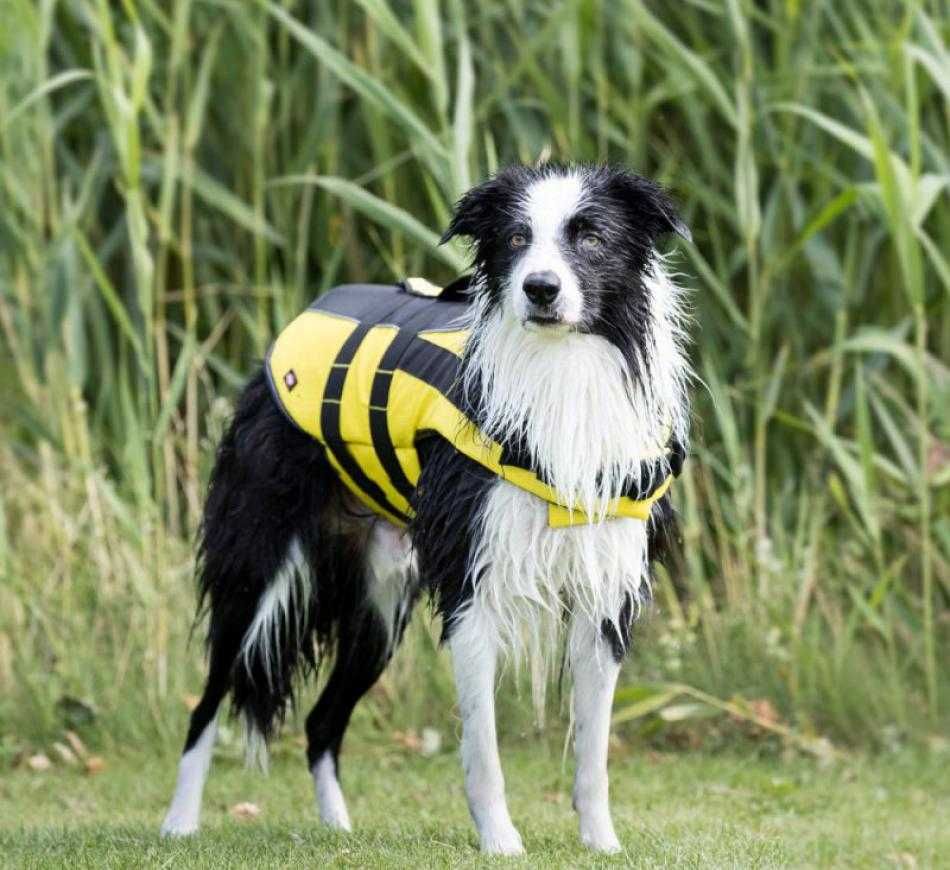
(278, 645)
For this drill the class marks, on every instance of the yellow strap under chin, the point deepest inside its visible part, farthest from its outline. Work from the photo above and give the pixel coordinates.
(560, 517)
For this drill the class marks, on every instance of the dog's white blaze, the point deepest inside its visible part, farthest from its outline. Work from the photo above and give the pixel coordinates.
(528, 573)
(549, 203)
(330, 800)
(185, 811)
(282, 608)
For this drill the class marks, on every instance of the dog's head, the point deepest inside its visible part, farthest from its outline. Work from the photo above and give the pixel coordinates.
(565, 249)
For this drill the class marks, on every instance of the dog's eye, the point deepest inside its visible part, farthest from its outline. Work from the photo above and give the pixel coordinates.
(517, 240)
(591, 242)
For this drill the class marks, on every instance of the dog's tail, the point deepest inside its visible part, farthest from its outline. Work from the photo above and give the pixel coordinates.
(272, 601)
(278, 644)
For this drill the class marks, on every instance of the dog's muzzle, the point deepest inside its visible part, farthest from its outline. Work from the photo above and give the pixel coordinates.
(541, 290)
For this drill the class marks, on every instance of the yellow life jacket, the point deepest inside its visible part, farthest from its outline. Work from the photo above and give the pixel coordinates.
(369, 370)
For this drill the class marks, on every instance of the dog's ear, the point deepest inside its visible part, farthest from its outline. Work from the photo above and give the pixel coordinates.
(649, 205)
(477, 211)
(470, 213)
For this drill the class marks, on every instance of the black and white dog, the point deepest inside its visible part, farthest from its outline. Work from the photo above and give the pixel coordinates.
(576, 354)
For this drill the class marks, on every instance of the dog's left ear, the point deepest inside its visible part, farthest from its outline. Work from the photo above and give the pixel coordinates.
(650, 205)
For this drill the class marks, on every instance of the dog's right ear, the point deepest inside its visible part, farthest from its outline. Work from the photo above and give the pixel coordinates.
(469, 215)
(476, 212)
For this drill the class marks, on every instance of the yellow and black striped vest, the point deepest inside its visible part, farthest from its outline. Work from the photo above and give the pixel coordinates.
(368, 370)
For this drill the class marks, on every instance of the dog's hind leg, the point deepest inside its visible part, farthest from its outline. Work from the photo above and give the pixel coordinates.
(474, 645)
(234, 623)
(595, 665)
(253, 645)
(240, 626)
(185, 810)
(361, 658)
(370, 628)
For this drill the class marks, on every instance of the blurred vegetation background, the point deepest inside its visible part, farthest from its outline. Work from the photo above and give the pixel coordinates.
(177, 179)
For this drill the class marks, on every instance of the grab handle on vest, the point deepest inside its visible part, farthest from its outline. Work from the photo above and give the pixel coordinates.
(457, 290)
(421, 287)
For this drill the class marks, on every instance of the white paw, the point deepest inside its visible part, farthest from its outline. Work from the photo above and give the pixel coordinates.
(330, 801)
(174, 827)
(501, 840)
(336, 818)
(600, 838)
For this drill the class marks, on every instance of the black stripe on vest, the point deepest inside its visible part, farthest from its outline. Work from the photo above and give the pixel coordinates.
(379, 402)
(330, 422)
(435, 366)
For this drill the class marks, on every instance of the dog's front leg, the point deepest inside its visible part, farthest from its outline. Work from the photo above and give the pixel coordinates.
(474, 657)
(595, 676)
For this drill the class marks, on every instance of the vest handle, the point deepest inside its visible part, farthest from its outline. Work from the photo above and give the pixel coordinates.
(454, 291)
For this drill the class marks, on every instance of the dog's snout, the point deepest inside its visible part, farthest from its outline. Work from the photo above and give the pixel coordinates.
(542, 287)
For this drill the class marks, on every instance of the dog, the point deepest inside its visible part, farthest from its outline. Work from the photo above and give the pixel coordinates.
(524, 493)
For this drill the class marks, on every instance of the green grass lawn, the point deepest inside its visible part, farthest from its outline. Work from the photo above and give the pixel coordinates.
(690, 810)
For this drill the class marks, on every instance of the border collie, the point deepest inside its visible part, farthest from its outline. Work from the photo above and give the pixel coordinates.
(574, 358)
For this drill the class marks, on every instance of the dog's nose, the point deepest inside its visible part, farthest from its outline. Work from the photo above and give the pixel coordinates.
(542, 287)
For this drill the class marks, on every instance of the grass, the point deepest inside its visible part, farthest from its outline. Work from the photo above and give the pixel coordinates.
(687, 810)
(178, 179)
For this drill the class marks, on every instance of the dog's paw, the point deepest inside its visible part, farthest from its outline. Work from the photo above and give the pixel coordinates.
(174, 827)
(336, 818)
(600, 838)
(330, 801)
(503, 840)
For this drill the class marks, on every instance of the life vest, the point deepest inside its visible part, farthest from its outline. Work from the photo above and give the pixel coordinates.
(368, 370)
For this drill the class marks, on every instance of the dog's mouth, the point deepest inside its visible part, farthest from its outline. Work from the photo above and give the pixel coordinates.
(544, 320)
(549, 324)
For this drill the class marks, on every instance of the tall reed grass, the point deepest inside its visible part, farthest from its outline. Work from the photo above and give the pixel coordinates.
(179, 178)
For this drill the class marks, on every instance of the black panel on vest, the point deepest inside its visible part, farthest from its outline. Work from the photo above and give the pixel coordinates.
(364, 302)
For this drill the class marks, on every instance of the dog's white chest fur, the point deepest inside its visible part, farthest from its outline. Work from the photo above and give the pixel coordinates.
(571, 401)
(528, 574)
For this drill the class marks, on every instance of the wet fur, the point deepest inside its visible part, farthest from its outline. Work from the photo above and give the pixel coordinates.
(286, 560)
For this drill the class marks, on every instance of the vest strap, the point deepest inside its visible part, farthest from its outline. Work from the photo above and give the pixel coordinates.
(379, 405)
(330, 418)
